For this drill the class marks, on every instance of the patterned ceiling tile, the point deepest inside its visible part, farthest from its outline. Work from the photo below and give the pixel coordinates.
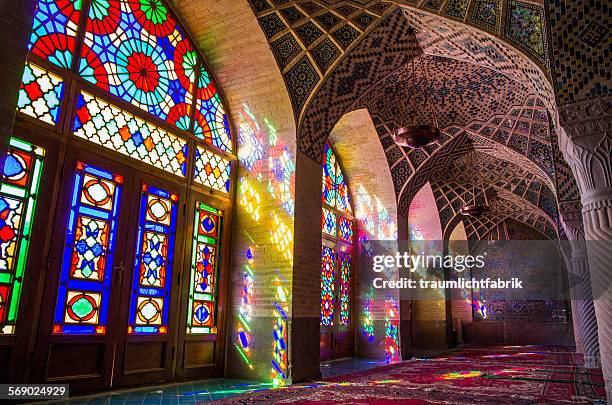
(301, 79)
(328, 20)
(400, 174)
(325, 54)
(525, 27)
(456, 8)
(271, 24)
(581, 48)
(347, 10)
(364, 20)
(346, 35)
(292, 15)
(486, 14)
(433, 4)
(285, 49)
(311, 7)
(380, 8)
(308, 33)
(260, 5)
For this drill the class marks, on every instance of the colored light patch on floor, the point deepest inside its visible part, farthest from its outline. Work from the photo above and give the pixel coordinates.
(461, 375)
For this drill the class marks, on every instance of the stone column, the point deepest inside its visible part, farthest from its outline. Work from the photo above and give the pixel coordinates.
(16, 18)
(583, 310)
(305, 330)
(586, 142)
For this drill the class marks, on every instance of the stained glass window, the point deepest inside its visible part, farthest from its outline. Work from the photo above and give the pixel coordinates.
(204, 270)
(329, 177)
(18, 196)
(328, 259)
(118, 130)
(152, 276)
(329, 220)
(134, 50)
(55, 30)
(339, 233)
(40, 94)
(345, 288)
(87, 263)
(346, 230)
(211, 123)
(212, 170)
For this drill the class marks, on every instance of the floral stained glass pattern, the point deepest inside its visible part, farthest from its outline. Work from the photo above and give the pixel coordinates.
(115, 129)
(204, 270)
(328, 261)
(329, 177)
(135, 50)
(329, 220)
(346, 230)
(40, 94)
(212, 170)
(18, 197)
(87, 263)
(55, 30)
(152, 276)
(211, 123)
(345, 288)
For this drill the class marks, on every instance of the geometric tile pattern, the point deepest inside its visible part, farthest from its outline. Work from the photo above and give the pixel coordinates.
(344, 23)
(579, 31)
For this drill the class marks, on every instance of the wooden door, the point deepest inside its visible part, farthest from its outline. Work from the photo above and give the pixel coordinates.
(147, 336)
(80, 316)
(337, 340)
(205, 284)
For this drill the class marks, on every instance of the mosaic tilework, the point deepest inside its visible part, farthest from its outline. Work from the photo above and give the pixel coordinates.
(301, 79)
(345, 22)
(582, 62)
(456, 8)
(525, 27)
(486, 14)
(325, 54)
(285, 49)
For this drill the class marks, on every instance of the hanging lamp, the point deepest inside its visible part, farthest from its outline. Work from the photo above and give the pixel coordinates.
(474, 208)
(417, 135)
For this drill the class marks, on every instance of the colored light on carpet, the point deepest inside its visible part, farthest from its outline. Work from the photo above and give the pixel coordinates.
(461, 375)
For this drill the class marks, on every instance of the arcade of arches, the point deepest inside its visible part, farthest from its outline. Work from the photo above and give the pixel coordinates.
(187, 183)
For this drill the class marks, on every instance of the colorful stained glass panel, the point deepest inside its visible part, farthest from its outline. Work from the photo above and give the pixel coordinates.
(345, 288)
(329, 177)
(152, 276)
(204, 270)
(212, 170)
(55, 30)
(328, 259)
(204, 281)
(115, 129)
(135, 50)
(18, 197)
(346, 230)
(329, 222)
(40, 94)
(87, 263)
(211, 123)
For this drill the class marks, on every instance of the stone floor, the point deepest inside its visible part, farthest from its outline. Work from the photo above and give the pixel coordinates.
(196, 392)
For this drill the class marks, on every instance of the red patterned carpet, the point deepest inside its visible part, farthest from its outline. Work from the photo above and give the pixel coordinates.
(484, 375)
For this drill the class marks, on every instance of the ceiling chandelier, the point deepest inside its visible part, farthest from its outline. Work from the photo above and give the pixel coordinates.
(418, 135)
(475, 206)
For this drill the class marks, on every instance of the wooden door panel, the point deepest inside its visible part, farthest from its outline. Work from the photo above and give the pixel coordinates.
(147, 333)
(79, 319)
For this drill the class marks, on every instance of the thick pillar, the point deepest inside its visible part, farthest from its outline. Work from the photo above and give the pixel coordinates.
(586, 142)
(305, 331)
(583, 310)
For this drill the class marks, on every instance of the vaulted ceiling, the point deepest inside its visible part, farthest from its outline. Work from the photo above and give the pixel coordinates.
(483, 65)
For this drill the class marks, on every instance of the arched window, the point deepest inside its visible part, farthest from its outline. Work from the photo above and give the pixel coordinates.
(338, 238)
(120, 76)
